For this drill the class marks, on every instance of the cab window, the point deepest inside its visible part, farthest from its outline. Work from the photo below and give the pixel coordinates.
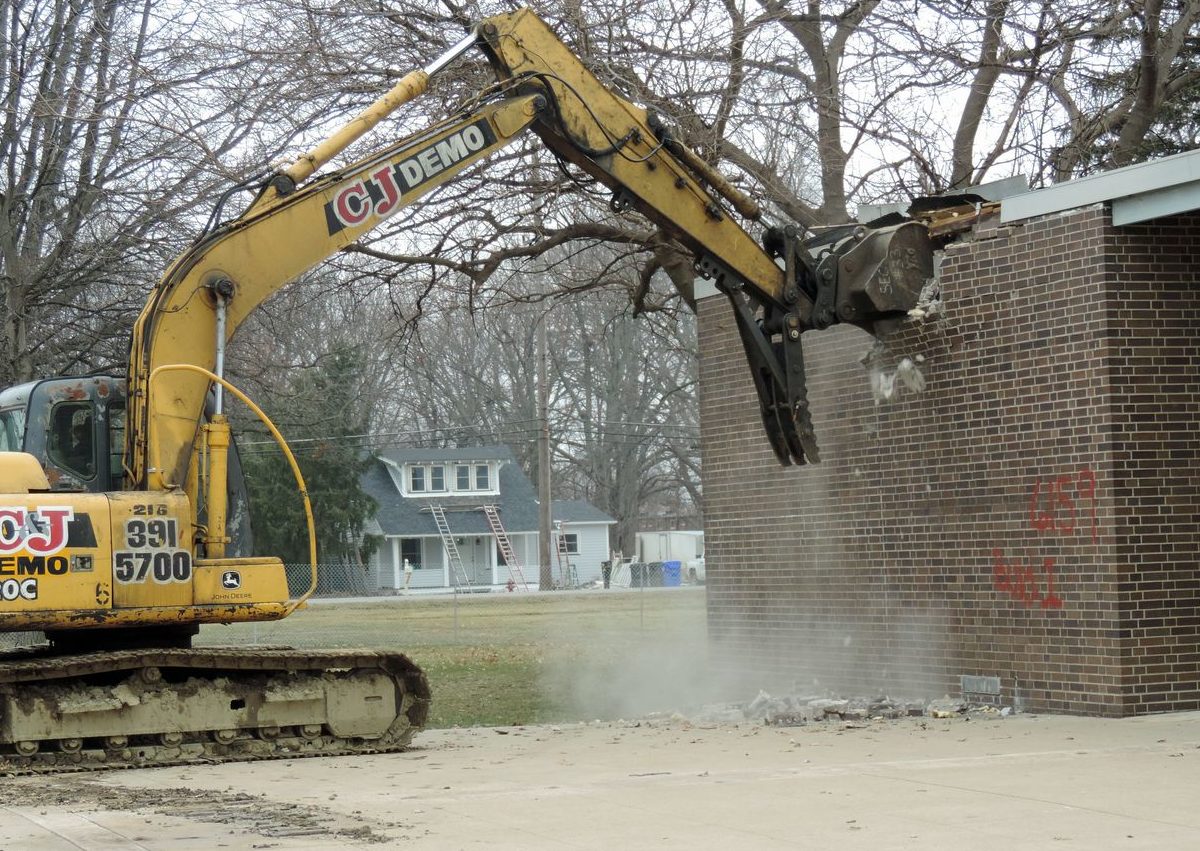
(116, 444)
(71, 445)
(12, 430)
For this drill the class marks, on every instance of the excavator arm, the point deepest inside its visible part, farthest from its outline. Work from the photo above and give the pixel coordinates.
(211, 289)
(778, 289)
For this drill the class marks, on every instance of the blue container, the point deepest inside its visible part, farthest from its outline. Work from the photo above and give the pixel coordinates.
(672, 573)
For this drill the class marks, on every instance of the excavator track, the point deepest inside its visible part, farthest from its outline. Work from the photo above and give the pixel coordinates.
(158, 707)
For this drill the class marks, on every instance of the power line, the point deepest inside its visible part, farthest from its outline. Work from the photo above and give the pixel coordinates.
(617, 439)
(512, 430)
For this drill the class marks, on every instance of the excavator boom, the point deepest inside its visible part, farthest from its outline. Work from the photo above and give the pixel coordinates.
(777, 291)
(247, 260)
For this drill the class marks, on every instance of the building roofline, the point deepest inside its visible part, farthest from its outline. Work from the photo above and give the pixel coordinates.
(1138, 192)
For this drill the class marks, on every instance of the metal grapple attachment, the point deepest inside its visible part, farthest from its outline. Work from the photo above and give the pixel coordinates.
(852, 274)
(880, 272)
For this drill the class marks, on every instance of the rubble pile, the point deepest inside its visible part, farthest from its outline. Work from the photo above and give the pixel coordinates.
(797, 710)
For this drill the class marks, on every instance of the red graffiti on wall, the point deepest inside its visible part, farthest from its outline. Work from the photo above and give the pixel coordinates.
(1061, 507)
(1023, 583)
(1053, 506)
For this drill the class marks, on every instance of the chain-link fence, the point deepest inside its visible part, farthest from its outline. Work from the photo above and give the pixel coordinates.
(334, 580)
(357, 580)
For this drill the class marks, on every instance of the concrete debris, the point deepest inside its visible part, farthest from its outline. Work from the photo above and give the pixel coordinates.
(722, 713)
(929, 302)
(885, 384)
(798, 710)
(886, 380)
(946, 708)
(829, 706)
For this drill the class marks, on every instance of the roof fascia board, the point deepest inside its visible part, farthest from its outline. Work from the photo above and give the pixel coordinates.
(705, 288)
(1155, 205)
(1138, 179)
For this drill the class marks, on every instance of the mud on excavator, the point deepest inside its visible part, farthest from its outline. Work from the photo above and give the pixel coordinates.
(122, 517)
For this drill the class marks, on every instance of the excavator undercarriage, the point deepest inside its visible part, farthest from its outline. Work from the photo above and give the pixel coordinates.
(141, 708)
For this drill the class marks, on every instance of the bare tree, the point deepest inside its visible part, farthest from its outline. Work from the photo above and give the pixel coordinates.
(1150, 51)
(625, 423)
(821, 105)
(471, 379)
(122, 120)
(122, 116)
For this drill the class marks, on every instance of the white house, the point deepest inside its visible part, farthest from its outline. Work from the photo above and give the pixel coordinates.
(448, 513)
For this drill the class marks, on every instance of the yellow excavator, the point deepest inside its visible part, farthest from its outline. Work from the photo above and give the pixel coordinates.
(122, 516)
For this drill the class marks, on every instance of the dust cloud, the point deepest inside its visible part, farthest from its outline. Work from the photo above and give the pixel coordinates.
(682, 671)
(655, 670)
(679, 673)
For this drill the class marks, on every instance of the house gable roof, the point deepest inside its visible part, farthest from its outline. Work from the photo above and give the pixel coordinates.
(578, 511)
(517, 502)
(397, 515)
(451, 455)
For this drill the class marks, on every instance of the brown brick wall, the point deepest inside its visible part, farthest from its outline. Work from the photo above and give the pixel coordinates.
(1153, 320)
(1030, 516)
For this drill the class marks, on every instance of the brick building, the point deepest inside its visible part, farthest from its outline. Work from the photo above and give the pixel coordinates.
(1030, 520)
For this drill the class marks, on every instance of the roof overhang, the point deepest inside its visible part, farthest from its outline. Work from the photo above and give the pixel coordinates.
(1138, 193)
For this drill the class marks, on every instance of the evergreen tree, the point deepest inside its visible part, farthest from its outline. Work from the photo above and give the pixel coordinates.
(319, 414)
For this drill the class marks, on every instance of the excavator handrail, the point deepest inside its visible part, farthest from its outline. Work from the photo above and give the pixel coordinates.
(292, 605)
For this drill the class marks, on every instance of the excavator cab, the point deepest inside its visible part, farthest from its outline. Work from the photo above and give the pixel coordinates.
(71, 444)
(74, 426)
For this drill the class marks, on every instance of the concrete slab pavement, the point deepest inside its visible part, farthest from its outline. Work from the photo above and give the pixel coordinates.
(1023, 782)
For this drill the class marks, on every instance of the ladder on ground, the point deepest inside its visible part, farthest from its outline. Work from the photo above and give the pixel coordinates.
(458, 574)
(566, 570)
(515, 573)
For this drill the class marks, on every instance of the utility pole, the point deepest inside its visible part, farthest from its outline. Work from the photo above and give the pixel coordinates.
(545, 577)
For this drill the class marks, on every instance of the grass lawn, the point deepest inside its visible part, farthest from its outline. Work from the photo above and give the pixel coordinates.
(500, 659)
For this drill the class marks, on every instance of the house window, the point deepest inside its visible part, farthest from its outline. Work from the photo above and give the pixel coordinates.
(568, 543)
(437, 478)
(481, 477)
(462, 477)
(417, 479)
(410, 551)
